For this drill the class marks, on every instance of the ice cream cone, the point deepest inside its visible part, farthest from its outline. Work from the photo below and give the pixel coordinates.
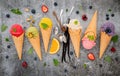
(34, 38)
(35, 42)
(18, 41)
(104, 42)
(46, 28)
(75, 35)
(46, 37)
(92, 25)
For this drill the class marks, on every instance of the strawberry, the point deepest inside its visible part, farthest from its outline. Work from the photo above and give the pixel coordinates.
(44, 9)
(91, 56)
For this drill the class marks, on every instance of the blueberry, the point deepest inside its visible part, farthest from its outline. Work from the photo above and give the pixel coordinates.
(65, 70)
(112, 15)
(107, 15)
(58, 55)
(71, 53)
(33, 11)
(116, 58)
(74, 67)
(55, 4)
(77, 12)
(8, 46)
(7, 57)
(107, 18)
(108, 30)
(8, 15)
(90, 7)
(35, 58)
(100, 65)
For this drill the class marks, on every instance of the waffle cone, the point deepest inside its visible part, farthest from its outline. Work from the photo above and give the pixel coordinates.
(92, 25)
(18, 41)
(46, 37)
(75, 36)
(35, 42)
(104, 42)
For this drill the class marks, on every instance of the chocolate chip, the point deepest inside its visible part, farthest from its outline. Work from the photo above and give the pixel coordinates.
(55, 4)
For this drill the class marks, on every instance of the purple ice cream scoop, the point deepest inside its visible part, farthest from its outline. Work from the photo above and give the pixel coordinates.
(109, 28)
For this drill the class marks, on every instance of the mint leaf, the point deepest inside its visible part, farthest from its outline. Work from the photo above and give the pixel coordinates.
(115, 38)
(44, 64)
(30, 51)
(108, 59)
(6, 39)
(44, 25)
(3, 27)
(56, 62)
(85, 66)
(16, 11)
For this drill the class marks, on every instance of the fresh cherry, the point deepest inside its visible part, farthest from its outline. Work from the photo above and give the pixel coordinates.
(113, 49)
(24, 64)
(84, 18)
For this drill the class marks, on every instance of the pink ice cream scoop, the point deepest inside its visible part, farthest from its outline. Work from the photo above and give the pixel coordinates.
(88, 44)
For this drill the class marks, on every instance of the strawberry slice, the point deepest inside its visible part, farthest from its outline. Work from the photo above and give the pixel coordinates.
(91, 56)
(44, 9)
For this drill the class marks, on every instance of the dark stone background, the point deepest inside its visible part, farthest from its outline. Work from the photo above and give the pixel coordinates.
(11, 66)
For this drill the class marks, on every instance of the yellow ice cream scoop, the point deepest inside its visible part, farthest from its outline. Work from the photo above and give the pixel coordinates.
(45, 23)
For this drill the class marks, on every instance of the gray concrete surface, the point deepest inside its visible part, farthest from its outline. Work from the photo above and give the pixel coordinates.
(12, 66)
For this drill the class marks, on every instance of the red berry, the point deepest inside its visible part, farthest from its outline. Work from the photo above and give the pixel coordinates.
(91, 56)
(44, 9)
(113, 49)
(24, 64)
(84, 18)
